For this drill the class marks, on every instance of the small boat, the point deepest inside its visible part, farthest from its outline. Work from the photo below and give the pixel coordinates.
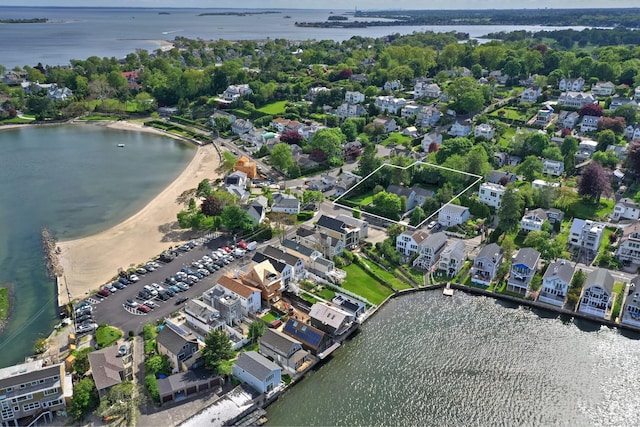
(120, 145)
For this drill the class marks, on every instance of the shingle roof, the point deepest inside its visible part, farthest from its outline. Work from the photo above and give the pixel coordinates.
(328, 315)
(106, 367)
(281, 255)
(489, 251)
(561, 269)
(600, 277)
(277, 341)
(528, 257)
(277, 264)
(331, 223)
(173, 341)
(236, 286)
(435, 240)
(256, 365)
(295, 246)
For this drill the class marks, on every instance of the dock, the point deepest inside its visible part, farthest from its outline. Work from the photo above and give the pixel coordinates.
(447, 291)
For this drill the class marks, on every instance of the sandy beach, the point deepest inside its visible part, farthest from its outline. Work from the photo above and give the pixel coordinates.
(91, 261)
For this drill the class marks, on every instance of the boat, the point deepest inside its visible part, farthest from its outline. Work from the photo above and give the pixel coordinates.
(120, 145)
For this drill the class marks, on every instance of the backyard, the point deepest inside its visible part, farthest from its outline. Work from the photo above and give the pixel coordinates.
(274, 109)
(360, 282)
(390, 279)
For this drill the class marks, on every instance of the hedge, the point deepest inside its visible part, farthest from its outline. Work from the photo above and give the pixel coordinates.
(305, 216)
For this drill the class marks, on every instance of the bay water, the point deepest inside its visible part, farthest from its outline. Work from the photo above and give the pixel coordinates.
(430, 360)
(75, 181)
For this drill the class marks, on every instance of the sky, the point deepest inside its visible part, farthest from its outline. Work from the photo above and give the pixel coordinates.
(335, 4)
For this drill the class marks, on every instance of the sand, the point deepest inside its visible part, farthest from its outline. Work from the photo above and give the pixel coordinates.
(92, 261)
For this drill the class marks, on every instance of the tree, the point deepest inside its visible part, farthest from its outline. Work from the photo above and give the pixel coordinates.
(282, 157)
(511, 209)
(217, 348)
(85, 399)
(469, 102)
(591, 110)
(478, 161)
(291, 137)
(569, 146)
(453, 146)
(349, 129)
(368, 161)
(312, 196)
(553, 153)
(123, 402)
(222, 124)
(530, 168)
(234, 218)
(628, 111)
(81, 364)
(633, 157)
(204, 188)
(387, 204)
(212, 206)
(417, 216)
(394, 231)
(158, 364)
(256, 329)
(608, 159)
(594, 182)
(329, 141)
(616, 124)
(508, 246)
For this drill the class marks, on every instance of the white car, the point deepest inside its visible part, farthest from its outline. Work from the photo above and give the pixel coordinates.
(134, 278)
(432, 224)
(157, 287)
(151, 290)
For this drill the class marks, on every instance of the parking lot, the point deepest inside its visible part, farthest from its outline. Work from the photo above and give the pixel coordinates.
(114, 311)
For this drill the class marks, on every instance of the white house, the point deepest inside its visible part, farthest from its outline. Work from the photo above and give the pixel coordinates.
(533, 220)
(202, 317)
(451, 215)
(530, 94)
(430, 250)
(491, 194)
(576, 99)
(586, 234)
(428, 116)
(453, 258)
(389, 124)
(570, 120)
(259, 372)
(461, 128)
(241, 126)
(632, 132)
(250, 299)
(314, 91)
(552, 167)
(597, 293)
(555, 283)
(636, 94)
(285, 203)
(629, 248)
(575, 85)
(410, 111)
(353, 97)
(544, 115)
(626, 209)
(523, 268)
(408, 243)
(603, 89)
(485, 130)
(620, 101)
(631, 310)
(426, 90)
(234, 92)
(392, 85)
(390, 104)
(345, 111)
(486, 264)
(430, 138)
(589, 123)
(541, 183)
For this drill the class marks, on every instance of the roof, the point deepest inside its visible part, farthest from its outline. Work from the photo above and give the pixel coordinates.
(328, 315)
(201, 310)
(173, 341)
(455, 208)
(577, 225)
(423, 192)
(285, 200)
(256, 365)
(181, 381)
(490, 250)
(399, 190)
(455, 249)
(540, 213)
(259, 257)
(106, 366)
(561, 269)
(435, 240)
(235, 286)
(306, 334)
(277, 341)
(27, 372)
(600, 277)
(495, 177)
(419, 236)
(626, 202)
(281, 255)
(528, 257)
(332, 224)
(300, 248)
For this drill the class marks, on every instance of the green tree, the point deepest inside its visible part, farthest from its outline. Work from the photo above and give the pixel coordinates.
(478, 161)
(204, 188)
(85, 399)
(158, 364)
(217, 348)
(530, 168)
(417, 216)
(605, 138)
(387, 204)
(222, 124)
(312, 196)
(350, 130)
(368, 161)
(329, 141)
(508, 246)
(552, 153)
(234, 218)
(123, 402)
(81, 364)
(511, 209)
(282, 157)
(569, 146)
(256, 329)
(628, 111)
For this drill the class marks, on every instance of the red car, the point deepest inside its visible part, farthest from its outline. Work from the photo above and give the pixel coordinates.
(242, 245)
(143, 308)
(226, 249)
(104, 292)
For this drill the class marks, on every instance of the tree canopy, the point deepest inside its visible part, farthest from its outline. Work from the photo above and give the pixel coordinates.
(217, 348)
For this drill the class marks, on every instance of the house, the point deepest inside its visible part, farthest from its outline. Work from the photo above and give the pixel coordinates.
(429, 251)
(408, 243)
(202, 317)
(242, 126)
(250, 297)
(576, 99)
(453, 258)
(631, 309)
(332, 320)
(351, 97)
(234, 92)
(359, 78)
(574, 85)
(552, 167)
(257, 212)
(523, 268)
(284, 350)
(626, 209)
(327, 245)
(421, 195)
(632, 132)
(620, 101)
(628, 250)
(460, 128)
(167, 111)
(486, 264)
(351, 149)
(263, 276)
(426, 90)
(451, 215)
(484, 130)
(389, 124)
(228, 305)
(237, 178)
(428, 139)
(603, 89)
(349, 234)
(570, 120)
(539, 184)
(410, 131)
(346, 111)
(410, 111)
(351, 305)
(500, 177)
(514, 160)
(110, 368)
(312, 339)
(249, 167)
(586, 148)
(428, 116)
(533, 220)
(491, 194)
(285, 203)
(556, 282)
(296, 264)
(240, 193)
(30, 389)
(390, 104)
(530, 94)
(499, 77)
(554, 215)
(586, 234)
(257, 371)
(544, 115)
(392, 85)
(402, 191)
(177, 347)
(589, 123)
(59, 93)
(597, 293)
(314, 91)
(283, 269)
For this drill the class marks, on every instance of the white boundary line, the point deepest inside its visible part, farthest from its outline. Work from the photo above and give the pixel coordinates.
(417, 162)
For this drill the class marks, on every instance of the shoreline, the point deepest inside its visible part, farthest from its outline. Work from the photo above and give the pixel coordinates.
(89, 262)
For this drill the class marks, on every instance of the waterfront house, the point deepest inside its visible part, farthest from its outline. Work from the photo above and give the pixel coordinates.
(589, 123)
(631, 309)
(249, 296)
(329, 246)
(284, 350)
(178, 348)
(486, 264)
(460, 128)
(257, 371)
(556, 282)
(295, 263)
(574, 85)
(628, 250)
(586, 234)
(285, 203)
(523, 268)
(533, 220)
(429, 251)
(353, 97)
(576, 99)
(202, 317)
(35, 390)
(332, 320)
(351, 305)
(626, 208)
(228, 305)
(484, 130)
(451, 215)
(312, 339)
(408, 243)
(530, 94)
(491, 194)
(109, 368)
(597, 293)
(603, 89)
(263, 276)
(242, 126)
(552, 167)
(453, 257)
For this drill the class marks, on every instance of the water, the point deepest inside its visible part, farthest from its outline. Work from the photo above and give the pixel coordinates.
(430, 360)
(78, 33)
(75, 181)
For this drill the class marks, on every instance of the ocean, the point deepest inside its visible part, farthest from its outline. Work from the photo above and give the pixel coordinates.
(78, 33)
(75, 181)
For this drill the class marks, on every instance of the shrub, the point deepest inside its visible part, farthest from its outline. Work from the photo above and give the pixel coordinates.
(305, 216)
(151, 384)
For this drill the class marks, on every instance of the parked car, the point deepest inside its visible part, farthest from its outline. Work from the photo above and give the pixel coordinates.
(432, 224)
(141, 271)
(181, 300)
(111, 288)
(143, 308)
(175, 288)
(149, 267)
(84, 311)
(144, 294)
(134, 278)
(242, 245)
(104, 292)
(83, 318)
(204, 272)
(84, 308)
(118, 285)
(86, 328)
(151, 290)
(82, 305)
(131, 303)
(124, 281)
(226, 249)
(163, 295)
(150, 304)
(169, 292)
(170, 280)
(212, 268)
(157, 287)
(122, 351)
(183, 286)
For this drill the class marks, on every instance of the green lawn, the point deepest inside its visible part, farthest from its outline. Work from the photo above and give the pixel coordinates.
(269, 318)
(308, 298)
(326, 294)
(107, 335)
(274, 109)
(395, 138)
(510, 114)
(392, 280)
(363, 199)
(360, 282)
(16, 121)
(4, 303)
(97, 117)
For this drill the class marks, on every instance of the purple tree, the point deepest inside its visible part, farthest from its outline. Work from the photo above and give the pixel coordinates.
(594, 182)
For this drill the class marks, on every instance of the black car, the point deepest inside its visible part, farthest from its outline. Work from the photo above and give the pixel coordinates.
(124, 281)
(170, 292)
(163, 295)
(83, 318)
(144, 294)
(119, 285)
(181, 300)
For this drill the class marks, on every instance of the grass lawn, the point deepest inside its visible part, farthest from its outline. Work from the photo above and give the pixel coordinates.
(618, 289)
(269, 318)
(363, 199)
(4, 303)
(308, 298)
(510, 114)
(326, 294)
(360, 282)
(16, 121)
(396, 138)
(107, 335)
(587, 210)
(392, 280)
(96, 117)
(274, 109)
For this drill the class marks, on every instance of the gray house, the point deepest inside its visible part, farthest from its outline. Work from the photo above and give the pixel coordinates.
(284, 350)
